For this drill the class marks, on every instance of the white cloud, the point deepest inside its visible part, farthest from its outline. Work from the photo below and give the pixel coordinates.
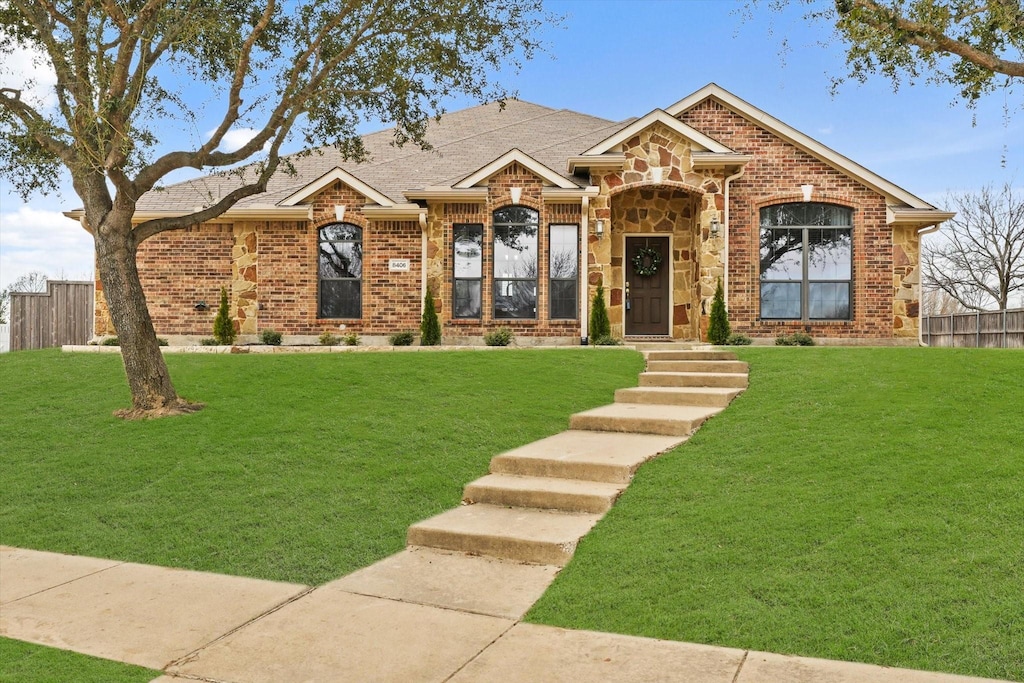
(34, 239)
(235, 138)
(826, 130)
(30, 71)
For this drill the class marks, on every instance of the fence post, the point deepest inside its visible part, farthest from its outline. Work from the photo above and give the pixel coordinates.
(977, 329)
(1005, 341)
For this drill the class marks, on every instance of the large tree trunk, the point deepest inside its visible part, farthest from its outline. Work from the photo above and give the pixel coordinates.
(152, 392)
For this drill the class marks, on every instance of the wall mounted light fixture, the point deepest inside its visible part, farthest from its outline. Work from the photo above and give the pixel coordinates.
(715, 226)
(599, 227)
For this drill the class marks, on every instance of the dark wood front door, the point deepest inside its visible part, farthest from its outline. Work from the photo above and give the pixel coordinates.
(647, 296)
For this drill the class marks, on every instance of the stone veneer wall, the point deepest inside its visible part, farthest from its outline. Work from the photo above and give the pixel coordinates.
(906, 278)
(775, 176)
(659, 166)
(660, 211)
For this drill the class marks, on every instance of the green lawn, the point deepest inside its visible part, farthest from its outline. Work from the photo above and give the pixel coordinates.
(301, 468)
(856, 504)
(859, 504)
(21, 662)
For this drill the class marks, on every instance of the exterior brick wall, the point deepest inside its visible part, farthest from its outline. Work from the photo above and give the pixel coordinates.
(179, 269)
(775, 176)
(270, 267)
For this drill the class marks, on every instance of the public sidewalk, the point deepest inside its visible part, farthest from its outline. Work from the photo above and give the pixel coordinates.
(420, 615)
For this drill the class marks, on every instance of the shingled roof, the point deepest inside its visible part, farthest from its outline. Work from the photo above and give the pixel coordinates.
(462, 142)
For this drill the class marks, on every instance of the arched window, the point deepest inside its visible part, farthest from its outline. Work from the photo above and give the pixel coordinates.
(515, 262)
(806, 262)
(340, 267)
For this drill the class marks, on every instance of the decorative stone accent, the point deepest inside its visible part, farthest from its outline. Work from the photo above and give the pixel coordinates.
(244, 259)
(906, 278)
(659, 193)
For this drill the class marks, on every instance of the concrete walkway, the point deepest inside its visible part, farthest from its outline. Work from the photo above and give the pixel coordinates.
(448, 608)
(377, 624)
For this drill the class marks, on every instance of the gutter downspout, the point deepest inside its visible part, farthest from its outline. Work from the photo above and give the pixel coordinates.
(725, 247)
(423, 261)
(921, 232)
(584, 266)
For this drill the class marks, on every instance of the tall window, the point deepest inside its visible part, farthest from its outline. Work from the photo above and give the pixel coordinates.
(806, 262)
(515, 262)
(469, 247)
(341, 271)
(563, 270)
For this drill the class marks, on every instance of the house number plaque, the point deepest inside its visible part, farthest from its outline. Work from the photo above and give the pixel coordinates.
(398, 265)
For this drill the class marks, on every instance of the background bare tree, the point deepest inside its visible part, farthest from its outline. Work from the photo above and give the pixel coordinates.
(30, 282)
(979, 259)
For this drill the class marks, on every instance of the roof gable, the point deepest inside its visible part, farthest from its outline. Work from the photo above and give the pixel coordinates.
(803, 142)
(336, 174)
(702, 141)
(546, 174)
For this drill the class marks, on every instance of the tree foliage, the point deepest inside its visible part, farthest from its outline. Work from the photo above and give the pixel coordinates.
(978, 259)
(718, 325)
(123, 114)
(974, 45)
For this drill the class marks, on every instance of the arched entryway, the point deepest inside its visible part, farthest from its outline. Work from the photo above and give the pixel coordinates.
(655, 269)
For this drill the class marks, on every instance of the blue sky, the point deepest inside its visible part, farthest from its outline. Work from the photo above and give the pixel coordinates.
(623, 58)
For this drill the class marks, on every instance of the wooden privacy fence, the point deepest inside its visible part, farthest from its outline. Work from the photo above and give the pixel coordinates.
(60, 315)
(985, 329)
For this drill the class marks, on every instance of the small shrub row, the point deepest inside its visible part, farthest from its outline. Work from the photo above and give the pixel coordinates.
(403, 338)
(114, 341)
(795, 339)
(271, 337)
(738, 339)
(606, 340)
(499, 337)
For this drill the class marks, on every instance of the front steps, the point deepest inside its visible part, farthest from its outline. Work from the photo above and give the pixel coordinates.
(541, 499)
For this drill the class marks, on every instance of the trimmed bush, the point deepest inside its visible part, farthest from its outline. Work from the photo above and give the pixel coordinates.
(223, 327)
(606, 340)
(795, 339)
(738, 340)
(208, 341)
(499, 337)
(114, 341)
(351, 339)
(403, 338)
(718, 326)
(599, 324)
(328, 339)
(271, 337)
(430, 328)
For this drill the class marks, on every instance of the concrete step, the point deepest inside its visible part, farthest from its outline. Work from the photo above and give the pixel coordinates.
(690, 355)
(593, 456)
(693, 379)
(718, 397)
(643, 418)
(697, 366)
(547, 493)
(519, 534)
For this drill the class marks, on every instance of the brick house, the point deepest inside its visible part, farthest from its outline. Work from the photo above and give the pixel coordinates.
(517, 215)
